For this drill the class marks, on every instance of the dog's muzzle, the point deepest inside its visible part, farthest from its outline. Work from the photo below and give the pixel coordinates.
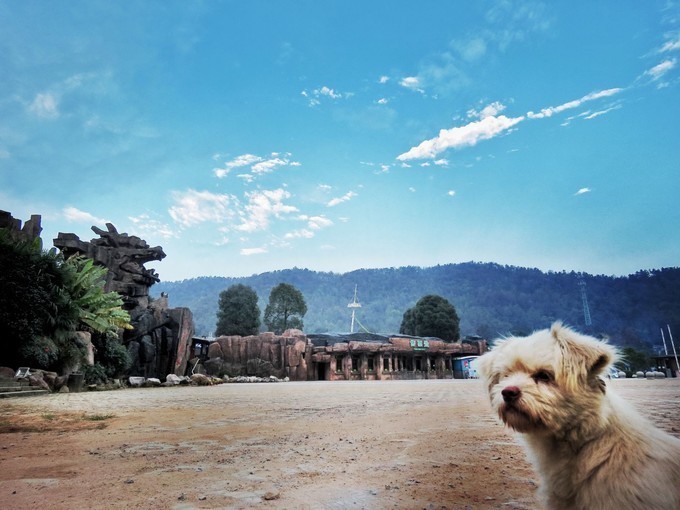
(511, 394)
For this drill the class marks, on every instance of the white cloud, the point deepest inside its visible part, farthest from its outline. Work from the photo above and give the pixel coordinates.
(582, 191)
(464, 136)
(264, 167)
(258, 165)
(253, 251)
(412, 83)
(326, 91)
(261, 207)
(670, 45)
(319, 222)
(45, 105)
(441, 162)
(382, 100)
(346, 197)
(412, 189)
(451, 193)
(659, 70)
(490, 110)
(601, 112)
(552, 110)
(71, 214)
(147, 226)
(472, 49)
(316, 95)
(302, 233)
(194, 207)
(384, 79)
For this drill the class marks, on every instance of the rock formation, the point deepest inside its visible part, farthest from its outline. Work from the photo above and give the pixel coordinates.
(28, 232)
(260, 355)
(160, 341)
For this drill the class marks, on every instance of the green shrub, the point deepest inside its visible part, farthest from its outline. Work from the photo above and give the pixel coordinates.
(94, 374)
(112, 355)
(39, 352)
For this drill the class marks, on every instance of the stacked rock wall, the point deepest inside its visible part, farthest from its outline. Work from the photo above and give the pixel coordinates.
(261, 355)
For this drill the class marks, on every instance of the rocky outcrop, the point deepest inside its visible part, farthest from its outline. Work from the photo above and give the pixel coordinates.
(161, 337)
(28, 232)
(124, 256)
(261, 356)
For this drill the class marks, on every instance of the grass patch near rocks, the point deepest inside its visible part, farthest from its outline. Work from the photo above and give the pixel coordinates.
(15, 420)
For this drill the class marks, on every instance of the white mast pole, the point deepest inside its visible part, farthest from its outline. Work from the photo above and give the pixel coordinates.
(664, 342)
(670, 335)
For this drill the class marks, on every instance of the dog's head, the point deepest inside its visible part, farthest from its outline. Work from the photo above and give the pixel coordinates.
(548, 382)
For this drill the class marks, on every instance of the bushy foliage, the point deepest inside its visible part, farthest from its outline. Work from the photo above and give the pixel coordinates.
(44, 300)
(34, 303)
(112, 355)
(94, 374)
(285, 309)
(238, 313)
(432, 316)
(42, 351)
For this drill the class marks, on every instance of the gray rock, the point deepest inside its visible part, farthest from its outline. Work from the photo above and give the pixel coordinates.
(136, 382)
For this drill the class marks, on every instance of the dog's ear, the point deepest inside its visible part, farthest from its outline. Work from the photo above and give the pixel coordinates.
(582, 354)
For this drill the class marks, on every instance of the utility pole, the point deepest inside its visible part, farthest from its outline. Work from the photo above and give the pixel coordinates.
(584, 300)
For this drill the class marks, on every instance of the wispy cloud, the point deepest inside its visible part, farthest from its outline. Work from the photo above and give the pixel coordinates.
(552, 110)
(491, 125)
(598, 113)
(253, 251)
(412, 83)
(463, 136)
(45, 105)
(72, 214)
(659, 70)
(346, 197)
(316, 95)
(258, 164)
(672, 44)
(261, 207)
(146, 226)
(194, 207)
(582, 191)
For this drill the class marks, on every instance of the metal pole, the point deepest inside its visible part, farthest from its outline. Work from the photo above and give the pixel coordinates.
(664, 342)
(670, 335)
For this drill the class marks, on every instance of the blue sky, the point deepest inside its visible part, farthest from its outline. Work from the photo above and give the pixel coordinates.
(249, 136)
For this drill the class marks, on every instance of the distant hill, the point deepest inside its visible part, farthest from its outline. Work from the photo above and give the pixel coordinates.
(491, 300)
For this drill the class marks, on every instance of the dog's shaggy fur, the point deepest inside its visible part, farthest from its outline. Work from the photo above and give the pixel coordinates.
(590, 448)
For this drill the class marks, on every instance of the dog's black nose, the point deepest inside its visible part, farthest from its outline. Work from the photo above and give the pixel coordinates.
(511, 393)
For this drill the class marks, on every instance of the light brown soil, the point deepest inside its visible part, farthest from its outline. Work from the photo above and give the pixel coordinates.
(333, 445)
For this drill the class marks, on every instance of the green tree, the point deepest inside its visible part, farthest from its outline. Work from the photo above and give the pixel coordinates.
(99, 311)
(238, 313)
(44, 300)
(432, 316)
(36, 312)
(285, 309)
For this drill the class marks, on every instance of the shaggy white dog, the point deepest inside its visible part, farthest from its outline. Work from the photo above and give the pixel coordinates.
(590, 448)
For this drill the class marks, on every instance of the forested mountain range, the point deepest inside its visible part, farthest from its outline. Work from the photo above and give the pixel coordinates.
(491, 300)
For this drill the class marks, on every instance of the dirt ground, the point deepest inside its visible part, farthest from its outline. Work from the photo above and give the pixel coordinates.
(313, 445)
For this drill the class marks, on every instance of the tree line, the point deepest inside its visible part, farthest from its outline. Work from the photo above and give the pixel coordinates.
(239, 314)
(491, 300)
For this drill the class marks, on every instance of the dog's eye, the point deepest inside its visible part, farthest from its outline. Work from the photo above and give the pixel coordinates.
(542, 376)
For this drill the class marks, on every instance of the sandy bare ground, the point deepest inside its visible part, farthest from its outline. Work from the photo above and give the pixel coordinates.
(331, 445)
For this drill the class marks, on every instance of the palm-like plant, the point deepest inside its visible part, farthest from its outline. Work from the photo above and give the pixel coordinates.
(98, 310)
